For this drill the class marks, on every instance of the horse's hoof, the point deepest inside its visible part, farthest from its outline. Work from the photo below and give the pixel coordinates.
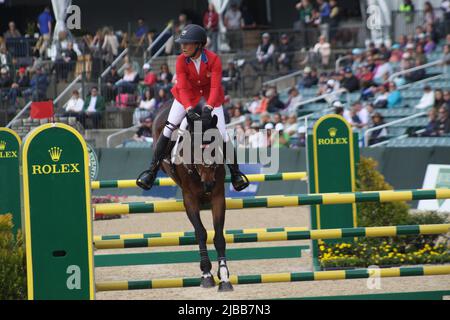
(207, 282)
(225, 287)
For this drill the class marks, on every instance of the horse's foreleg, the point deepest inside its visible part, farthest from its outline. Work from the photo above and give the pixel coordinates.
(193, 212)
(218, 211)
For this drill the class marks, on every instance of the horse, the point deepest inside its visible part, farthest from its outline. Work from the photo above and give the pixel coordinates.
(201, 184)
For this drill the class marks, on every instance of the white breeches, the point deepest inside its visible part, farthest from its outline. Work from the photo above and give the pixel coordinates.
(177, 116)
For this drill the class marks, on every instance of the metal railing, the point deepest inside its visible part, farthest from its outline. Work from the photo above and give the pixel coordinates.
(340, 59)
(423, 66)
(368, 131)
(160, 50)
(403, 136)
(159, 37)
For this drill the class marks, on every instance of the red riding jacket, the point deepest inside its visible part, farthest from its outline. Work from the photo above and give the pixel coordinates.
(192, 86)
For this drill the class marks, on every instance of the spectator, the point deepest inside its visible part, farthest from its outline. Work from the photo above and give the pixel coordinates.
(165, 76)
(382, 69)
(359, 116)
(381, 97)
(274, 104)
(147, 107)
(110, 79)
(93, 108)
(446, 54)
(264, 53)
(305, 9)
(237, 115)
(429, 16)
(323, 48)
(447, 98)
(141, 30)
(66, 62)
(430, 46)
(18, 86)
(39, 84)
(431, 130)
(292, 124)
(378, 135)
(162, 98)
(293, 101)
(427, 99)
(285, 54)
(144, 133)
(394, 98)
(254, 104)
(334, 20)
(5, 83)
(438, 99)
(365, 76)
(407, 8)
(12, 32)
(325, 10)
(150, 78)
(129, 80)
(331, 88)
(231, 76)
(110, 46)
(233, 23)
(309, 78)
(420, 55)
(280, 139)
(211, 24)
(44, 24)
(443, 125)
(445, 7)
(75, 106)
(350, 82)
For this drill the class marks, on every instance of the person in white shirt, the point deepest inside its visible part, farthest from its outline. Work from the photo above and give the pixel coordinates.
(427, 99)
(147, 107)
(74, 106)
(293, 102)
(324, 49)
(265, 52)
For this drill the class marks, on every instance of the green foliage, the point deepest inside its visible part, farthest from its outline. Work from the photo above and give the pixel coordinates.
(12, 262)
(403, 250)
(374, 214)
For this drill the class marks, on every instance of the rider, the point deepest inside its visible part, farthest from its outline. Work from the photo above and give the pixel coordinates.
(199, 75)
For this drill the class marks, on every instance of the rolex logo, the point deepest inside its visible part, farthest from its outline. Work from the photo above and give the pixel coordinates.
(55, 153)
(2, 145)
(332, 132)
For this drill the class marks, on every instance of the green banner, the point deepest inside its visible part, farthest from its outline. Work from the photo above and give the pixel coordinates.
(332, 157)
(57, 214)
(10, 176)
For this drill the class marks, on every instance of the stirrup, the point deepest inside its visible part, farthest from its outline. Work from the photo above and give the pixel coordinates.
(239, 186)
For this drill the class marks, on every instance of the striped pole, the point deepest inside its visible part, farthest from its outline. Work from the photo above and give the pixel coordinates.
(192, 233)
(279, 201)
(168, 182)
(278, 277)
(370, 232)
(174, 257)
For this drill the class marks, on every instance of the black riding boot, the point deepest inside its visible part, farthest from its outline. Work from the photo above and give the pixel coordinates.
(147, 178)
(238, 179)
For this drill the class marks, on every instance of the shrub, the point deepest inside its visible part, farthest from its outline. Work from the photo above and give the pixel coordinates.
(12, 262)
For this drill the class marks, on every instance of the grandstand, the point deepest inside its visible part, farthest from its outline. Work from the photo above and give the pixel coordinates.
(96, 52)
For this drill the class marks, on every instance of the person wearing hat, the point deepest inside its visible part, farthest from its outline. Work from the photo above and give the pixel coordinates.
(264, 53)
(350, 82)
(280, 138)
(285, 54)
(309, 79)
(382, 69)
(199, 76)
(150, 78)
(22, 82)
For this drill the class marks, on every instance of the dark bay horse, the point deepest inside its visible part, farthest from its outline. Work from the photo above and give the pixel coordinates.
(201, 184)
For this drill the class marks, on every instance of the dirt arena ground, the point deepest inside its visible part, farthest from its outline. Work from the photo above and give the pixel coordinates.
(237, 219)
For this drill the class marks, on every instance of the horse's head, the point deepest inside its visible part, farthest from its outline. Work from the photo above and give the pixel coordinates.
(205, 144)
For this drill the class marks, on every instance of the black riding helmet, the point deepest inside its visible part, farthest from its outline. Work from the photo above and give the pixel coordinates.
(192, 33)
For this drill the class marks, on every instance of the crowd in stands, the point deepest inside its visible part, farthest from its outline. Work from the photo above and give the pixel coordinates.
(146, 90)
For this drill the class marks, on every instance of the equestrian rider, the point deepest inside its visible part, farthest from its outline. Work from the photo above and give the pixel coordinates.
(199, 75)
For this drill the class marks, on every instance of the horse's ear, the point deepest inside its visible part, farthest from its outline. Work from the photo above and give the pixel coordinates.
(214, 121)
